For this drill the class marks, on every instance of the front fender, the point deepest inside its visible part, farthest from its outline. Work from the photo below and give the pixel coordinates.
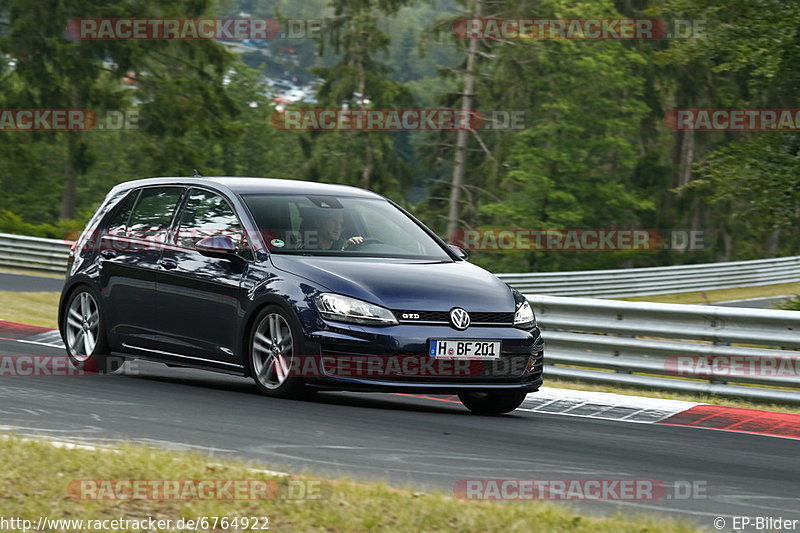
(292, 295)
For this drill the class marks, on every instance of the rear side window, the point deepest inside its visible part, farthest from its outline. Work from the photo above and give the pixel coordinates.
(153, 213)
(118, 225)
(207, 214)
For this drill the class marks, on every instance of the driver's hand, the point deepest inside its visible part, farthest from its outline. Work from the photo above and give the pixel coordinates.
(355, 241)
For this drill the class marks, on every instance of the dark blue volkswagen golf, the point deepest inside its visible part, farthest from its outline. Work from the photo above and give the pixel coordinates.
(301, 286)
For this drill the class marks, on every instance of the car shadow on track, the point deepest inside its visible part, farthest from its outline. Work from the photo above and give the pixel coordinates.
(386, 401)
(157, 372)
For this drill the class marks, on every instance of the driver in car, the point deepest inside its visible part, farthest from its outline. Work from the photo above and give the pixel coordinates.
(328, 226)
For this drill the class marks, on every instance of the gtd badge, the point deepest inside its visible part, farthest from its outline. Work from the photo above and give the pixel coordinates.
(459, 318)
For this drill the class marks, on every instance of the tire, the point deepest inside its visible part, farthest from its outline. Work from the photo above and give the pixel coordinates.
(492, 403)
(83, 330)
(276, 338)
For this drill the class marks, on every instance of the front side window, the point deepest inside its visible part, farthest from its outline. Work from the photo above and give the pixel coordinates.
(153, 213)
(340, 225)
(207, 214)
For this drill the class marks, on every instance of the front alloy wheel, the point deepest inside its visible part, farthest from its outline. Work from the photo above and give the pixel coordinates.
(272, 351)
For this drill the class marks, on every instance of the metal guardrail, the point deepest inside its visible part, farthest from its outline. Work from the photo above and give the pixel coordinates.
(34, 253)
(657, 280)
(51, 254)
(729, 351)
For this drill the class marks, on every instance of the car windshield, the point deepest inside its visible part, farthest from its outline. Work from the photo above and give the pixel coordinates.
(340, 226)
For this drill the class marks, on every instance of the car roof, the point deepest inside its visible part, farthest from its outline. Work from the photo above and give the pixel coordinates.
(239, 185)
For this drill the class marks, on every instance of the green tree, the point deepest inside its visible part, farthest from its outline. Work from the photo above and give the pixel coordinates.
(752, 48)
(573, 164)
(359, 80)
(179, 83)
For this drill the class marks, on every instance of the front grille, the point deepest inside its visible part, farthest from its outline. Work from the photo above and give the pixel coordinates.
(492, 318)
(443, 317)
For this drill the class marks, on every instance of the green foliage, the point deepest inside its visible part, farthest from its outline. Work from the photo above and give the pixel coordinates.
(63, 229)
(594, 151)
(753, 49)
(792, 304)
(758, 176)
(178, 85)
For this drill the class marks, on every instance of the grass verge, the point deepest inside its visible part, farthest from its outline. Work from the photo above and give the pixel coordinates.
(720, 295)
(36, 308)
(35, 477)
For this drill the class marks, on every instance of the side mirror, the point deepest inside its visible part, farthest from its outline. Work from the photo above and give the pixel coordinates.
(220, 246)
(459, 251)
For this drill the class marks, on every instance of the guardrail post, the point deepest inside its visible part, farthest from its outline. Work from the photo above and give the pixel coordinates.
(715, 380)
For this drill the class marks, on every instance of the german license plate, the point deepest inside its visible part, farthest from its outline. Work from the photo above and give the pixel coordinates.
(458, 349)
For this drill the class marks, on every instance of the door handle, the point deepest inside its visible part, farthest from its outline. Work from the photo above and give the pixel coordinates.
(169, 264)
(108, 254)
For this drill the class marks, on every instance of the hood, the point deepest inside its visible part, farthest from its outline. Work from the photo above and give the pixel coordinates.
(404, 284)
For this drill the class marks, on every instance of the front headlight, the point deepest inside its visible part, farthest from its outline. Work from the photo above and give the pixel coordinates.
(523, 317)
(345, 309)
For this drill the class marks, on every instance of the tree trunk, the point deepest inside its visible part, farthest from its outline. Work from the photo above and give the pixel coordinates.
(69, 195)
(460, 158)
(75, 153)
(773, 240)
(687, 158)
(727, 241)
(366, 172)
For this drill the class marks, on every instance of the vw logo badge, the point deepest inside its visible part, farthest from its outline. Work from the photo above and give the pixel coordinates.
(459, 318)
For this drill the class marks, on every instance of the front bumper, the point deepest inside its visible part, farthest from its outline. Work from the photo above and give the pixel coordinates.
(519, 367)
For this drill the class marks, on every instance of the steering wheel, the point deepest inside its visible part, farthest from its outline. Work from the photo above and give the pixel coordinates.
(370, 240)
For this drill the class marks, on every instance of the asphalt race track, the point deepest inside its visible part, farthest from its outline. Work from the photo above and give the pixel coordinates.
(23, 283)
(408, 441)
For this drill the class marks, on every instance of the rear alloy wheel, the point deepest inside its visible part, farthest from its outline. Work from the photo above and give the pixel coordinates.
(274, 342)
(492, 403)
(84, 334)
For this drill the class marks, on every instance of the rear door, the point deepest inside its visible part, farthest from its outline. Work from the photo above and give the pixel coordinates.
(200, 298)
(129, 261)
